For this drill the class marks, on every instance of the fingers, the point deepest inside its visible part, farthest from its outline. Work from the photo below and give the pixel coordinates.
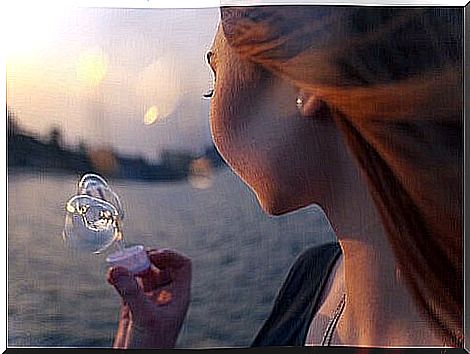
(154, 278)
(169, 280)
(178, 267)
(132, 294)
(165, 264)
(124, 316)
(121, 334)
(176, 264)
(166, 258)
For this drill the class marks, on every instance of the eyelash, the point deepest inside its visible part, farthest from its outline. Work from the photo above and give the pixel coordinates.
(210, 92)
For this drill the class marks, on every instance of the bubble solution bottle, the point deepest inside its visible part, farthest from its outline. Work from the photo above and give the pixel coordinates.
(93, 223)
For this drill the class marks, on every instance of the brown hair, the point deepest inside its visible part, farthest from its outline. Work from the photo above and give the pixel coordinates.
(393, 79)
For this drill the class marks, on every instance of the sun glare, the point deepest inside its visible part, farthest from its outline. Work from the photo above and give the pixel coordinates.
(30, 25)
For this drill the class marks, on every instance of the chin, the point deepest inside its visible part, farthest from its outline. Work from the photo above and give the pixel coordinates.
(280, 206)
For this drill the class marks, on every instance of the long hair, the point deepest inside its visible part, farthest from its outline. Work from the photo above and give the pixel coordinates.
(392, 78)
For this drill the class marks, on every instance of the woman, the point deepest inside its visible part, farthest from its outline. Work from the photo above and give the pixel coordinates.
(358, 110)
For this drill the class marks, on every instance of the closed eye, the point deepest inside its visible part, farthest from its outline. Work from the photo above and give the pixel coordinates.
(210, 92)
(209, 56)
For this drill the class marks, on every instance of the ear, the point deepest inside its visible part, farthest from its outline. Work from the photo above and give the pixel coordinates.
(311, 106)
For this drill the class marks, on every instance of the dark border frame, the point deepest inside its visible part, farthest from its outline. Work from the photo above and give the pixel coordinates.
(318, 350)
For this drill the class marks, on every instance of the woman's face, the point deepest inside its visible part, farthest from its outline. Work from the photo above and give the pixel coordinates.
(258, 129)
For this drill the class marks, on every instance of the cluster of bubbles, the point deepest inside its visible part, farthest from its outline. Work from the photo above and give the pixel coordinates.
(94, 216)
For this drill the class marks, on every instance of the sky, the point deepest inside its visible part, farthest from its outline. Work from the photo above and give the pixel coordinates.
(132, 79)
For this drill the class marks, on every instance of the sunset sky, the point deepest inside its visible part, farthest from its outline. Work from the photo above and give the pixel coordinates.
(129, 78)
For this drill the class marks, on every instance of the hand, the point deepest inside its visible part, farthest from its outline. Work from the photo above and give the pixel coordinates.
(155, 302)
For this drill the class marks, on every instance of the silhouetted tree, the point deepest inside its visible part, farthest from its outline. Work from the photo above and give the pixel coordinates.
(176, 160)
(82, 148)
(55, 137)
(12, 124)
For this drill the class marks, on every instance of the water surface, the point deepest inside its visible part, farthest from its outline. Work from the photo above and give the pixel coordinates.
(240, 257)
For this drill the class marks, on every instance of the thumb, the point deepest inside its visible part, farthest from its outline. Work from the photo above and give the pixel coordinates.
(132, 294)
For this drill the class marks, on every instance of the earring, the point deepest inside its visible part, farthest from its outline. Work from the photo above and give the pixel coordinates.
(299, 102)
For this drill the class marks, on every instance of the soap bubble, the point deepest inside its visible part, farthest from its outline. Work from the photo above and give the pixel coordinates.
(91, 224)
(93, 219)
(94, 185)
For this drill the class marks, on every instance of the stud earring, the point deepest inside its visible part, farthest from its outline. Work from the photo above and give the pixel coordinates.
(299, 102)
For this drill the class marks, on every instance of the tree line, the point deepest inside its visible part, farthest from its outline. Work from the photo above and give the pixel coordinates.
(52, 155)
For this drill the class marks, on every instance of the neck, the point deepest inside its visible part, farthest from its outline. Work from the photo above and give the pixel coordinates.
(380, 309)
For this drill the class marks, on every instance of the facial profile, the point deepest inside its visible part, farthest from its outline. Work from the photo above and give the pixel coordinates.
(391, 81)
(276, 146)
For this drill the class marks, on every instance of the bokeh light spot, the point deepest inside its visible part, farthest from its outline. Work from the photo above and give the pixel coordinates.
(151, 115)
(201, 173)
(91, 68)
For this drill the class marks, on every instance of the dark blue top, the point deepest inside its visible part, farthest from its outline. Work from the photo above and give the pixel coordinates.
(299, 298)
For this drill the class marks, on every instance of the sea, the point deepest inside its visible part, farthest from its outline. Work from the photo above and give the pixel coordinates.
(58, 297)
